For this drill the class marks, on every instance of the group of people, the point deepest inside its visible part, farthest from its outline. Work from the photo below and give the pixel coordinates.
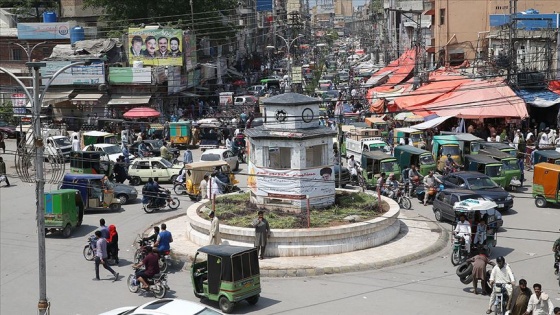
(106, 246)
(153, 194)
(161, 240)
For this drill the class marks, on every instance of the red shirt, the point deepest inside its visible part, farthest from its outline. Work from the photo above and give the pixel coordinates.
(151, 264)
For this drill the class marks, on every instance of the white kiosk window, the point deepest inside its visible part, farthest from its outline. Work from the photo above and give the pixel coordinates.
(316, 156)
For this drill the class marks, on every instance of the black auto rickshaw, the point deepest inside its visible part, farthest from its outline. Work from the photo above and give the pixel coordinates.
(548, 156)
(408, 155)
(226, 274)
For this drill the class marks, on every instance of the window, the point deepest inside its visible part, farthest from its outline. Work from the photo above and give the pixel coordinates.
(441, 16)
(279, 158)
(17, 54)
(315, 155)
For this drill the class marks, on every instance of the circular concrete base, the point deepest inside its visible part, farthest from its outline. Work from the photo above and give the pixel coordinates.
(303, 242)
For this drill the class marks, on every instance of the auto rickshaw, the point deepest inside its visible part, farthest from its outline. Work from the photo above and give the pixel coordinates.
(195, 174)
(546, 179)
(226, 274)
(510, 168)
(378, 123)
(412, 137)
(486, 165)
(374, 163)
(64, 211)
(94, 195)
(209, 137)
(180, 133)
(500, 146)
(407, 155)
(475, 211)
(91, 162)
(93, 137)
(442, 147)
(548, 156)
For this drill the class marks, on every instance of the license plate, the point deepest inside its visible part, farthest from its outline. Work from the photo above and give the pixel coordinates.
(501, 205)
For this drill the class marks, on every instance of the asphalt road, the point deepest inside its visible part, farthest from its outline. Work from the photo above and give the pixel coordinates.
(428, 286)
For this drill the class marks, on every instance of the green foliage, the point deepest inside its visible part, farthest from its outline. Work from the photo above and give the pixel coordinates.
(236, 210)
(29, 8)
(7, 112)
(207, 15)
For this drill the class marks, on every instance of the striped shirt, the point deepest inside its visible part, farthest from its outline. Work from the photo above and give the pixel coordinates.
(101, 251)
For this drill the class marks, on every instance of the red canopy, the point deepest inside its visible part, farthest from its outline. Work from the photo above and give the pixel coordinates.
(141, 112)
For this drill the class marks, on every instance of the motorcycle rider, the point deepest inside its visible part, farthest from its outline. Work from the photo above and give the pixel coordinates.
(161, 192)
(142, 149)
(151, 264)
(392, 186)
(450, 165)
(163, 239)
(164, 152)
(429, 182)
(556, 250)
(463, 229)
(500, 274)
(414, 178)
(152, 238)
(352, 167)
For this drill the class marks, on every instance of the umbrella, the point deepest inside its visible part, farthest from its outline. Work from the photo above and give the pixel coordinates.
(141, 112)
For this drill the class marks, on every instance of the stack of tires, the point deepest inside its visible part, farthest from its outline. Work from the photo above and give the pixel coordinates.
(464, 272)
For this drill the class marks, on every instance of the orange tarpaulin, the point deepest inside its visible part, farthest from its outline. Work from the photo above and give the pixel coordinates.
(377, 106)
(398, 70)
(479, 99)
(429, 93)
(554, 86)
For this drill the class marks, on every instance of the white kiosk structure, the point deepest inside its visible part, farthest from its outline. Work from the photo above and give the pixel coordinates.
(290, 160)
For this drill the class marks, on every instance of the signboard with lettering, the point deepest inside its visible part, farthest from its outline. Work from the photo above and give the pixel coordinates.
(128, 75)
(43, 30)
(93, 74)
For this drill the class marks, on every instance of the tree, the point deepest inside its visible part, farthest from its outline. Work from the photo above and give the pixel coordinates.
(30, 8)
(208, 16)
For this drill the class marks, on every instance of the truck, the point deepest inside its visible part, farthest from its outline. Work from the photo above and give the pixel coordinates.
(57, 143)
(361, 140)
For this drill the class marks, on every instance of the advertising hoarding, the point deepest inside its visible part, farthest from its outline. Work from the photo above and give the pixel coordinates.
(264, 5)
(155, 47)
(324, 6)
(19, 101)
(43, 30)
(78, 75)
(124, 75)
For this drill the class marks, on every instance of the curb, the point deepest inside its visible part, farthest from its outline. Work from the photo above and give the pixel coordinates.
(437, 246)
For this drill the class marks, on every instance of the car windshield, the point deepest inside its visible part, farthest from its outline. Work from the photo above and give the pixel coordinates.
(114, 149)
(381, 147)
(450, 149)
(156, 144)
(416, 137)
(166, 163)
(494, 171)
(481, 183)
(509, 165)
(427, 159)
(62, 141)
(390, 167)
(210, 157)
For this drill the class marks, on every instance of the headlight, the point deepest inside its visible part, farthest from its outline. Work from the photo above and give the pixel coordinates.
(509, 197)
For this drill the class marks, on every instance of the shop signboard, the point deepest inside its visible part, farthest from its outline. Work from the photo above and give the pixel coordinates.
(155, 47)
(324, 6)
(19, 101)
(92, 74)
(128, 75)
(43, 30)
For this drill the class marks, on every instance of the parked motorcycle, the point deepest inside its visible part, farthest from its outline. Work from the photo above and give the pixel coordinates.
(459, 253)
(157, 284)
(160, 202)
(89, 250)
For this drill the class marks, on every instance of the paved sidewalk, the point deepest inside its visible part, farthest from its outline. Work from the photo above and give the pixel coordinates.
(419, 237)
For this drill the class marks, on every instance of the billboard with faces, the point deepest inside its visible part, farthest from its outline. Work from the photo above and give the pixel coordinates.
(155, 47)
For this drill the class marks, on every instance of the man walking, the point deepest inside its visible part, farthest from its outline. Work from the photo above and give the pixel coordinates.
(3, 175)
(517, 304)
(101, 257)
(262, 232)
(215, 238)
(539, 303)
(187, 157)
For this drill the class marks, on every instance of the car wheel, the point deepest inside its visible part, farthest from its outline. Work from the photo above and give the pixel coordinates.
(123, 198)
(437, 214)
(135, 181)
(540, 202)
(173, 178)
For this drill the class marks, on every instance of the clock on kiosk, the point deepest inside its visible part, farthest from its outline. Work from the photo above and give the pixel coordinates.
(307, 115)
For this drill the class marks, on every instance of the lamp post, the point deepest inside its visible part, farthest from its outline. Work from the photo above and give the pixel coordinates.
(37, 100)
(289, 42)
(28, 51)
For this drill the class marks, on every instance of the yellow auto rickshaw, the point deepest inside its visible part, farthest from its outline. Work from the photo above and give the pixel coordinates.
(546, 184)
(195, 174)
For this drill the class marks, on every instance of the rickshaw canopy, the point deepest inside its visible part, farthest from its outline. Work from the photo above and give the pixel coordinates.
(377, 155)
(495, 153)
(547, 154)
(474, 205)
(547, 175)
(235, 262)
(197, 170)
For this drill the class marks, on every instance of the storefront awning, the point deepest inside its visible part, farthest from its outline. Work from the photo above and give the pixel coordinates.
(54, 97)
(539, 98)
(118, 99)
(87, 98)
(431, 123)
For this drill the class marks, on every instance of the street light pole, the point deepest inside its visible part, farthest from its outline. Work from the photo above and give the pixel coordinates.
(43, 304)
(28, 51)
(289, 42)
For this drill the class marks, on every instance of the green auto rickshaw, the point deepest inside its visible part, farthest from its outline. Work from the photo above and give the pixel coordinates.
(411, 137)
(442, 146)
(226, 274)
(486, 165)
(408, 155)
(510, 168)
(548, 156)
(64, 211)
(500, 146)
(374, 163)
(93, 137)
(180, 134)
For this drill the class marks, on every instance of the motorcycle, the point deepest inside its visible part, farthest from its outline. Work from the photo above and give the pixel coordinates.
(501, 298)
(179, 188)
(400, 197)
(157, 284)
(459, 253)
(160, 202)
(164, 258)
(89, 250)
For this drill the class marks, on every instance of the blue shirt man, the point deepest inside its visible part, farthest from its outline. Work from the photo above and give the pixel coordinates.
(103, 228)
(163, 239)
(187, 157)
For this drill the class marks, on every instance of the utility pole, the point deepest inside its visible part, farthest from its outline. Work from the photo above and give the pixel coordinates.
(512, 66)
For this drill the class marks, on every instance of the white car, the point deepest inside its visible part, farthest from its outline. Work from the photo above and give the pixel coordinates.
(221, 155)
(164, 307)
(112, 150)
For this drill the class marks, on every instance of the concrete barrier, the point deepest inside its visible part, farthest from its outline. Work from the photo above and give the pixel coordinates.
(303, 242)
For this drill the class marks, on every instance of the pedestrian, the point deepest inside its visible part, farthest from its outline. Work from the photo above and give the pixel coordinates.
(113, 244)
(215, 238)
(103, 228)
(187, 156)
(76, 143)
(2, 143)
(3, 174)
(517, 304)
(539, 302)
(204, 187)
(262, 232)
(164, 239)
(101, 257)
(500, 274)
(195, 135)
(479, 271)
(557, 311)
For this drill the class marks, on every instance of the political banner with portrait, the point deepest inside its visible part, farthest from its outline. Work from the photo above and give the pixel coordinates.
(155, 47)
(317, 184)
